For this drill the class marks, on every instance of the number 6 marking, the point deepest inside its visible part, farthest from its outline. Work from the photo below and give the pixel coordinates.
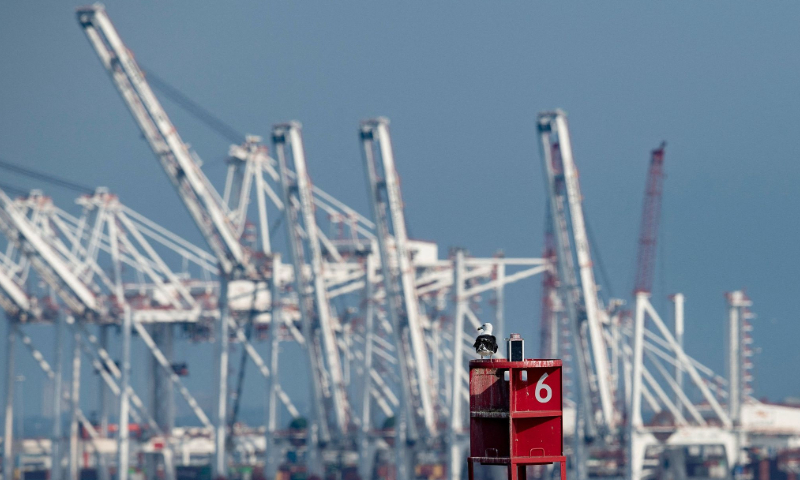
(541, 386)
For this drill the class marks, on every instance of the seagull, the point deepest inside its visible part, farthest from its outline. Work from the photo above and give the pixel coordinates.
(485, 344)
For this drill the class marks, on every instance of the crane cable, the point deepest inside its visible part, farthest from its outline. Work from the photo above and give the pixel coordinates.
(195, 109)
(51, 179)
(13, 190)
(232, 135)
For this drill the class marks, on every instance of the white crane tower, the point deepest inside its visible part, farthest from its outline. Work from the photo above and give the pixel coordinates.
(398, 275)
(194, 189)
(585, 315)
(318, 329)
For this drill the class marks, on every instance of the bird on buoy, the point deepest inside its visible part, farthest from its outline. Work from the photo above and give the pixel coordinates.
(485, 344)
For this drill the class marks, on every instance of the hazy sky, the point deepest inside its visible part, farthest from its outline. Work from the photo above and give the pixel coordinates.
(462, 83)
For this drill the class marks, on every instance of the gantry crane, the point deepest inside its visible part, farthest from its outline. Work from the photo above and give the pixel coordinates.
(56, 272)
(313, 303)
(193, 187)
(577, 286)
(417, 412)
(198, 195)
(92, 296)
(22, 307)
(398, 274)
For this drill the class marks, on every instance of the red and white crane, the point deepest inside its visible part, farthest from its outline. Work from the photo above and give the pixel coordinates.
(651, 216)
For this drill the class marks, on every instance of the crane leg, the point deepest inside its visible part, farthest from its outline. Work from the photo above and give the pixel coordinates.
(8, 442)
(74, 469)
(55, 465)
(220, 470)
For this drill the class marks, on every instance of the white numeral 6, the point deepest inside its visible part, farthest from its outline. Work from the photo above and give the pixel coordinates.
(541, 386)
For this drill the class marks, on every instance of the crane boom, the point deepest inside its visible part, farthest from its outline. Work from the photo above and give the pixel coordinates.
(196, 192)
(568, 282)
(398, 271)
(651, 213)
(575, 238)
(314, 305)
(48, 263)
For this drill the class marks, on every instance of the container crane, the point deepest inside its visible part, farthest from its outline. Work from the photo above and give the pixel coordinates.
(23, 308)
(313, 302)
(577, 287)
(417, 414)
(78, 297)
(194, 188)
(398, 274)
(71, 270)
(208, 210)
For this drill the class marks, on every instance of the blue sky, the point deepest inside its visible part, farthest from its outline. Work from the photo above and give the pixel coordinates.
(462, 83)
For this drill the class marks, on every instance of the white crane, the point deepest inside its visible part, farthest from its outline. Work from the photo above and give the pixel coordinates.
(52, 267)
(399, 276)
(313, 303)
(194, 189)
(208, 210)
(70, 268)
(577, 286)
(417, 412)
(572, 240)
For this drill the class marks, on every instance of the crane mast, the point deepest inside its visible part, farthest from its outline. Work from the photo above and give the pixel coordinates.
(196, 192)
(398, 273)
(551, 305)
(579, 292)
(651, 213)
(567, 284)
(317, 318)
